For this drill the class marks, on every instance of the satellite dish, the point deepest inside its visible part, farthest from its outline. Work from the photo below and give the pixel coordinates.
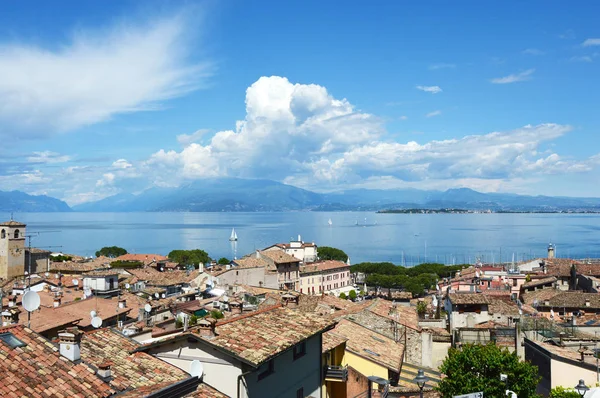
(75, 282)
(196, 368)
(96, 322)
(93, 314)
(156, 295)
(127, 286)
(148, 308)
(31, 301)
(164, 295)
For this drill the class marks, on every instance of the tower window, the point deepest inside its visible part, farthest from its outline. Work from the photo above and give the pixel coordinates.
(16, 234)
(3, 234)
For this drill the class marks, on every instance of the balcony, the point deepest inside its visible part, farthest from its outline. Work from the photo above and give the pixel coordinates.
(336, 373)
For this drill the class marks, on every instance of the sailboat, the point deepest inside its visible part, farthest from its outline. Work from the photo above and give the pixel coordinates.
(233, 237)
(330, 222)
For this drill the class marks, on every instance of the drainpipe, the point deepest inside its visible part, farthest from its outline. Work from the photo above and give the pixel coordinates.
(239, 379)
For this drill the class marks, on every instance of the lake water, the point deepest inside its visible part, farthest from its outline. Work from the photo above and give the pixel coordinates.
(399, 238)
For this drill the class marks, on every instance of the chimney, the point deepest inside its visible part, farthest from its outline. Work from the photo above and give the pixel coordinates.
(547, 303)
(257, 254)
(235, 307)
(122, 303)
(104, 370)
(57, 301)
(206, 327)
(11, 300)
(587, 302)
(561, 336)
(70, 342)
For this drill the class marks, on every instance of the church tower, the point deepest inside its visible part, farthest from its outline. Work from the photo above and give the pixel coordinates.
(12, 249)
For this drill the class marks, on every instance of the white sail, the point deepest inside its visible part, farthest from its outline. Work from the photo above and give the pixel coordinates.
(233, 236)
(330, 222)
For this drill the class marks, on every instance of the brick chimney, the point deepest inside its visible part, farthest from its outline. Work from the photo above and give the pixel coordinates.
(235, 307)
(104, 370)
(69, 341)
(57, 301)
(206, 327)
(12, 300)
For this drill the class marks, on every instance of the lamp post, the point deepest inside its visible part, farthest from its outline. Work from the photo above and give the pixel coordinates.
(581, 388)
(420, 381)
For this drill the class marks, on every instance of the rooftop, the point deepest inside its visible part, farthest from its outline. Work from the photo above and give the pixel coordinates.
(80, 266)
(37, 370)
(332, 340)
(279, 257)
(257, 337)
(12, 223)
(370, 345)
(144, 258)
(167, 278)
(323, 266)
(539, 282)
(129, 371)
(250, 262)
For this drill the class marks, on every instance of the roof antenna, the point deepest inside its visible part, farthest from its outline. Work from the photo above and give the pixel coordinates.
(11, 216)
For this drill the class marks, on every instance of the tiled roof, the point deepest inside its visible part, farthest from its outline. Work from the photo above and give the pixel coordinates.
(12, 223)
(279, 257)
(332, 340)
(80, 266)
(539, 295)
(206, 391)
(497, 304)
(37, 370)
(468, 298)
(167, 278)
(144, 258)
(324, 266)
(250, 262)
(129, 371)
(371, 345)
(539, 282)
(568, 299)
(259, 336)
(403, 315)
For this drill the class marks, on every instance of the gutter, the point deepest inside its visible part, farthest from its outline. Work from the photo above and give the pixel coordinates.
(239, 378)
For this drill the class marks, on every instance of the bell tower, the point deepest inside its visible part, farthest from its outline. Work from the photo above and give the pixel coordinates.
(12, 249)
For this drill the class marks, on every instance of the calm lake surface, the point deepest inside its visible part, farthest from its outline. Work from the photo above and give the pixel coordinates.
(399, 238)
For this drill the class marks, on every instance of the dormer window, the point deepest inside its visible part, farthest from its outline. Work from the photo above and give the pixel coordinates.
(16, 234)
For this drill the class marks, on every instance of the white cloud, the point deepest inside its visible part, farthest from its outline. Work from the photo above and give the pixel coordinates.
(442, 66)
(186, 139)
(591, 42)
(121, 164)
(96, 75)
(48, 157)
(583, 58)
(430, 89)
(517, 77)
(434, 113)
(533, 51)
(403, 117)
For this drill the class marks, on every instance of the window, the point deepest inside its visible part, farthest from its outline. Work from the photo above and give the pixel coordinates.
(300, 393)
(3, 234)
(16, 234)
(268, 368)
(11, 340)
(299, 350)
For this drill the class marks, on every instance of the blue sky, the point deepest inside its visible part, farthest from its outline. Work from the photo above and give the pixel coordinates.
(106, 97)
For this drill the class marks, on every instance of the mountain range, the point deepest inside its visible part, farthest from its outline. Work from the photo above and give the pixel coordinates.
(18, 201)
(234, 194)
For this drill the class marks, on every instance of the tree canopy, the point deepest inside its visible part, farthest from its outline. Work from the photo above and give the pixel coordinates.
(474, 368)
(561, 392)
(111, 251)
(189, 257)
(331, 253)
(223, 261)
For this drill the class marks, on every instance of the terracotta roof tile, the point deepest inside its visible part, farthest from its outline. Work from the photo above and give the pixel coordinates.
(38, 370)
(279, 257)
(143, 258)
(259, 336)
(539, 282)
(370, 345)
(324, 266)
(332, 340)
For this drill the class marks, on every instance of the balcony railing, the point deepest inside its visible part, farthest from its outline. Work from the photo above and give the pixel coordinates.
(336, 373)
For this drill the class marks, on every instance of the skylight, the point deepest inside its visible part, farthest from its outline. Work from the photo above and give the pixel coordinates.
(11, 340)
(371, 352)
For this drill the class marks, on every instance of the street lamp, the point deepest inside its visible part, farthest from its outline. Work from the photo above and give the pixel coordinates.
(581, 388)
(420, 381)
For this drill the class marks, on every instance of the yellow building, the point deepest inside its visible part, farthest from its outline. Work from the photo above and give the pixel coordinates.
(360, 353)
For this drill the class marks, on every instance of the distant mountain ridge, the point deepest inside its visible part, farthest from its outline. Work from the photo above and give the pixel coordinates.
(17, 201)
(235, 194)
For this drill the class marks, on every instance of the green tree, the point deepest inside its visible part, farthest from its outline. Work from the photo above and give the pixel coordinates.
(421, 308)
(193, 320)
(352, 295)
(189, 257)
(126, 264)
(528, 278)
(216, 314)
(223, 261)
(111, 251)
(343, 296)
(561, 392)
(331, 253)
(478, 368)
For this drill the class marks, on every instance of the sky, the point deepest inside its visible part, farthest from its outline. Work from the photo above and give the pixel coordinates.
(101, 98)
